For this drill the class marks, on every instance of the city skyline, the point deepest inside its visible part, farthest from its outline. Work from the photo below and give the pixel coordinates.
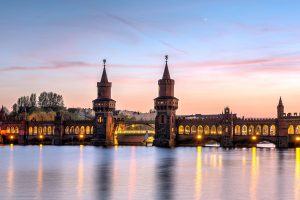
(216, 59)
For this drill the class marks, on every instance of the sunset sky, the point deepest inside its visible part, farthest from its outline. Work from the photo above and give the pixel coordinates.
(241, 54)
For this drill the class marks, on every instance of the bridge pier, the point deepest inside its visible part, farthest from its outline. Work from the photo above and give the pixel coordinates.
(226, 141)
(282, 142)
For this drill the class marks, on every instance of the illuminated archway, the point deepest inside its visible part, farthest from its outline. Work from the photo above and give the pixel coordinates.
(206, 129)
(77, 130)
(219, 130)
(49, 130)
(298, 129)
(200, 129)
(35, 130)
(291, 130)
(244, 130)
(180, 129)
(237, 130)
(8, 129)
(265, 130)
(44, 130)
(213, 130)
(258, 130)
(88, 130)
(72, 130)
(67, 130)
(187, 129)
(251, 130)
(193, 129)
(82, 130)
(272, 130)
(30, 130)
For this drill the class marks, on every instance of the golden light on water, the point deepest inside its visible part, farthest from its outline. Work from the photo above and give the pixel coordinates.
(80, 173)
(132, 174)
(254, 170)
(198, 180)
(297, 173)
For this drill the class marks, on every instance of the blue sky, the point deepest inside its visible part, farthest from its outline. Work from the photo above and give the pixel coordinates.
(220, 52)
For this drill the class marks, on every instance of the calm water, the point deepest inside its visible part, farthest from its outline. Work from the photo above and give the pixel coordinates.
(86, 172)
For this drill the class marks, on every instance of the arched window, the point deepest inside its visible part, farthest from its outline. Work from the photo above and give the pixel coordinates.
(187, 129)
(206, 129)
(82, 130)
(77, 130)
(291, 130)
(67, 130)
(251, 130)
(16, 130)
(49, 130)
(237, 130)
(30, 130)
(8, 129)
(180, 129)
(53, 130)
(273, 130)
(213, 129)
(92, 130)
(298, 129)
(258, 130)
(265, 130)
(12, 130)
(35, 130)
(88, 130)
(72, 131)
(193, 129)
(244, 130)
(219, 130)
(200, 129)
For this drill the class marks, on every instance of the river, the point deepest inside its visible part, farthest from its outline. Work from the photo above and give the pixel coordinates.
(87, 172)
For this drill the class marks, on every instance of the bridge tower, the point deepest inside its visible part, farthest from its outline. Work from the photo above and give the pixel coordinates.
(166, 105)
(282, 133)
(104, 106)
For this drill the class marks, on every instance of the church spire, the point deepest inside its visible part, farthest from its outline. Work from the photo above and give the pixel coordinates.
(104, 78)
(166, 71)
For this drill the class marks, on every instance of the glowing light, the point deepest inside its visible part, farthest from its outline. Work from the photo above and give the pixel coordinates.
(199, 137)
(11, 137)
(254, 137)
(297, 139)
(41, 136)
(81, 136)
(198, 180)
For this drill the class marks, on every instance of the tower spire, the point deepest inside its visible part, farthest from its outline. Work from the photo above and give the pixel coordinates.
(166, 71)
(104, 78)
(280, 101)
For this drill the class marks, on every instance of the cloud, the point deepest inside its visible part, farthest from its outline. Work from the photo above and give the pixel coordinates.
(53, 66)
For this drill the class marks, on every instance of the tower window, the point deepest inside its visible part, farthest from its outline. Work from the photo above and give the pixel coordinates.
(100, 120)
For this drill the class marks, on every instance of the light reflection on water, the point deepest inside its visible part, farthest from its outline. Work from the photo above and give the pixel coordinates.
(84, 172)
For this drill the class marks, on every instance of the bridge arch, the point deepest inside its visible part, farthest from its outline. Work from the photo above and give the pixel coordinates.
(298, 129)
(258, 130)
(272, 130)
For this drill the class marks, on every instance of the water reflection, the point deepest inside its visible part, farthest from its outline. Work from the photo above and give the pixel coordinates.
(80, 173)
(132, 174)
(297, 174)
(10, 173)
(40, 171)
(165, 174)
(198, 180)
(254, 172)
(104, 174)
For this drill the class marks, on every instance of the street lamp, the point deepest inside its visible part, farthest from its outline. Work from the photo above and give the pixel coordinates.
(298, 139)
(254, 138)
(41, 137)
(11, 137)
(199, 137)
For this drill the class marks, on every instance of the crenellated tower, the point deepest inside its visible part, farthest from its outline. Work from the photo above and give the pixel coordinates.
(166, 105)
(104, 106)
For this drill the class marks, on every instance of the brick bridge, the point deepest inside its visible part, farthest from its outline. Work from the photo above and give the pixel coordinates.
(168, 129)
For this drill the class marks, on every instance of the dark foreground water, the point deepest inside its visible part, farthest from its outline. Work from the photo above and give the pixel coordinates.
(84, 172)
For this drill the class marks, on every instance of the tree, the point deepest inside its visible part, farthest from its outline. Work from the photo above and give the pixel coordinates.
(50, 101)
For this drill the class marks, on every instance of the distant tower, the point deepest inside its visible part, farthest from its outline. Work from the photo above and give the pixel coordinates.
(280, 109)
(166, 105)
(104, 107)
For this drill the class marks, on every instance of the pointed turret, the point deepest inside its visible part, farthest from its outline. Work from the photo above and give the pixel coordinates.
(166, 71)
(104, 78)
(280, 109)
